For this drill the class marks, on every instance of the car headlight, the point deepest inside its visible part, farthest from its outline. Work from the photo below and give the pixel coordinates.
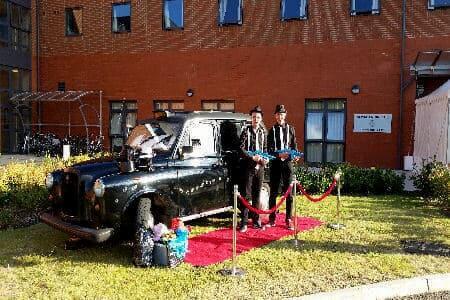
(99, 188)
(49, 181)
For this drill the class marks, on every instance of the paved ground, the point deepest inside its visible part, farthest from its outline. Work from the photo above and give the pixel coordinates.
(425, 287)
(409, 186)
(7, 158)
(428, 296)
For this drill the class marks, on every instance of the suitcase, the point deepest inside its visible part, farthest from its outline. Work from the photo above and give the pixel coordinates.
(163, 257)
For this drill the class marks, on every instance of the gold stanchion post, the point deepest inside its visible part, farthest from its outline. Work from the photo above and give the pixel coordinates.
(235, 271)
(338, 225)
(294, 203)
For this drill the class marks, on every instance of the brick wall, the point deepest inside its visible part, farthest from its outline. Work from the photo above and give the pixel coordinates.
(264, 61)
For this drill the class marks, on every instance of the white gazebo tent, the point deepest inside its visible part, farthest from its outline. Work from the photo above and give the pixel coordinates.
(432, 126)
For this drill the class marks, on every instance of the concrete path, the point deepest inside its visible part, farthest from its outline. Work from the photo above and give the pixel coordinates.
(388, 289)
(409, 185)
(9, 158)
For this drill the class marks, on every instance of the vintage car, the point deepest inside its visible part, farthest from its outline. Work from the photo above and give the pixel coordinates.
(175, 165)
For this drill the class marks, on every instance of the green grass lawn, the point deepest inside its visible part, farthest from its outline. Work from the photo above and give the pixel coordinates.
(34, 264)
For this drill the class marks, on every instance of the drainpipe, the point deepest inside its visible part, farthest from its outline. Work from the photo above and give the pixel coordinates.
(402, 65)
(38, 87)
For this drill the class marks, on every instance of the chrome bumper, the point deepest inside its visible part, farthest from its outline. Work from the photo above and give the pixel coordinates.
(94, 235)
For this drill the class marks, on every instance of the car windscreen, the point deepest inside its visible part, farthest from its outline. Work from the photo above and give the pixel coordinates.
(154, 137)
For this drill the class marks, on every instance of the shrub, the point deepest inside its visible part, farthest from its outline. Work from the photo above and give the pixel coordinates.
(22, 183)
(354, 180)
(433, 180)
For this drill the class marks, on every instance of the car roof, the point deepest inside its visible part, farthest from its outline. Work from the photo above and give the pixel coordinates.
(203, 115)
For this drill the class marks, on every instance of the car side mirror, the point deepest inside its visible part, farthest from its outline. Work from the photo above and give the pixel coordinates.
(184, 150)
(187, 149)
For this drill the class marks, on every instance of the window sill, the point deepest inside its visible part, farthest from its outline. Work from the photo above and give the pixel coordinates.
(121, 32)
(229, 24)
(365, 13)
(173, 28)
(438, 7)
(294, 19)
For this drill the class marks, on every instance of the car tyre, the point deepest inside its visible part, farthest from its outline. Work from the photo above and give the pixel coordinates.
(143, 242)
(144, 215)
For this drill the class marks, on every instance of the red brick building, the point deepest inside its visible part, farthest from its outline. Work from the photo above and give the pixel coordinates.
(327, 66)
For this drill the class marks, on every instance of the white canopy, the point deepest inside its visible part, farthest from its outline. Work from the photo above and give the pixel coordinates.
(432, 134)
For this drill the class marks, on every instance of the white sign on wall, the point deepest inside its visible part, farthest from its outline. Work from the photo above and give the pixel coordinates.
(372, 123)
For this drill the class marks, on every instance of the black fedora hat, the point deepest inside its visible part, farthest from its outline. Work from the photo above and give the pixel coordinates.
(256, 109)
(280, 109)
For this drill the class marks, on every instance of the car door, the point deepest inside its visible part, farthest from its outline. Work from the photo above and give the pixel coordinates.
(230, 132)
(201, 175)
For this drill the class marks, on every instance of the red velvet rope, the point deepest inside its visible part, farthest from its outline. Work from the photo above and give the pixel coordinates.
(273, 209)
(326, 194)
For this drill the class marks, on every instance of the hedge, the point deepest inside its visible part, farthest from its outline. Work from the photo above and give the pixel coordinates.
(354, 180)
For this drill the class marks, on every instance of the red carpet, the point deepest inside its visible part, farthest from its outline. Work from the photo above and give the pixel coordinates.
(216, 246)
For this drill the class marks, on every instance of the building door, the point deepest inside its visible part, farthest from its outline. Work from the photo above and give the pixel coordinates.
(123, 116)
(13, 122)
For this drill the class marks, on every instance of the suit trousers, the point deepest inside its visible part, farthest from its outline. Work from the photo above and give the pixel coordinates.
(252, 191)
(280, 175)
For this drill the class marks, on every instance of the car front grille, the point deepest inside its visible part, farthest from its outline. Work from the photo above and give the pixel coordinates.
(70, 193)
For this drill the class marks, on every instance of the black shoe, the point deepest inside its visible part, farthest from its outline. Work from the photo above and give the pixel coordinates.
(289, 225)
(258, 226)
(243, 228)
(270, 224)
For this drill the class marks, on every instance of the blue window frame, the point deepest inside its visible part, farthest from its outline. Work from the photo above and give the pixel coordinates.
(230, 12)
(121, 17)
(294, 10)
(359, 7)
(432, 4)
(173, 14)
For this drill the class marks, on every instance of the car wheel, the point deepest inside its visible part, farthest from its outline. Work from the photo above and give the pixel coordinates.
(143, 242)
(144, 216)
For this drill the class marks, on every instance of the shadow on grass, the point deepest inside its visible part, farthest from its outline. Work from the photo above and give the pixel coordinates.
(333, 246)
(405, 219)
(26, 246)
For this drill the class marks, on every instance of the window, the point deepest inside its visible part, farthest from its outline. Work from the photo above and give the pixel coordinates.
(294, 10)
(359, 7)
(3, 11)
(432, 4)
(123, 116)
(4, 79)
(201, 137)
(121, 17)
(325, 131)
(20, 28)
(3, 24)
(173, 14)
(172, 105)
(74, 21)
(221, 105)
(230, 12)
(20, 80)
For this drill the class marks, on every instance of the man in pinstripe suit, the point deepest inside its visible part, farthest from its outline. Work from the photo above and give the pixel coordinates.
(253, 138)
(281, 136)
